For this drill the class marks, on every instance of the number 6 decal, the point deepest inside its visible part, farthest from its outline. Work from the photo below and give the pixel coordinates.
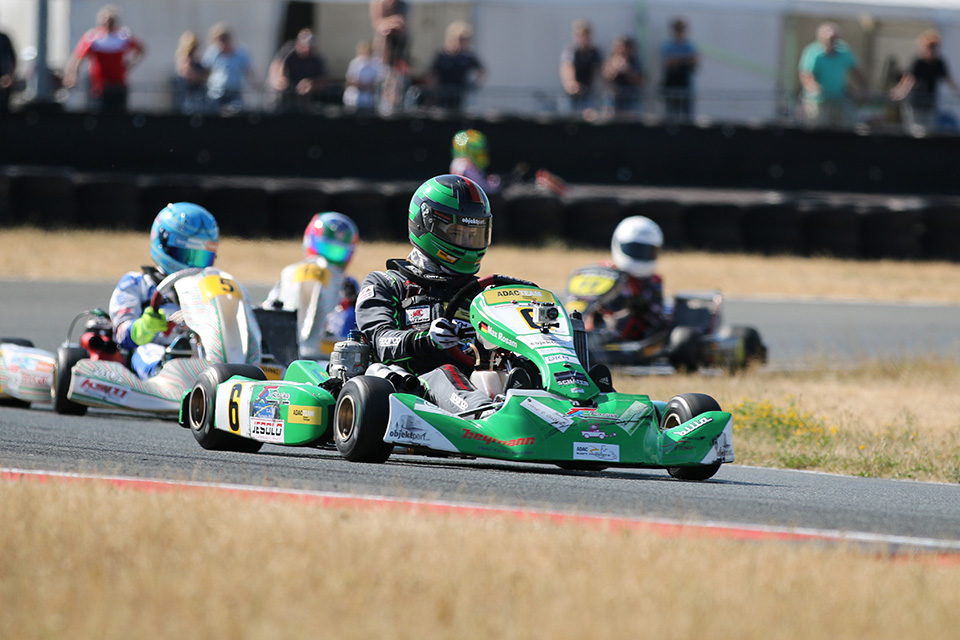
(233, 408)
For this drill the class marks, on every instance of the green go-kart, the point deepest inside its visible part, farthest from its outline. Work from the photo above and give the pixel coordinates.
(569, 416)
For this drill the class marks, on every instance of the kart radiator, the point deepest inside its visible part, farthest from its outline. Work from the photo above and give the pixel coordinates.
(580, 339)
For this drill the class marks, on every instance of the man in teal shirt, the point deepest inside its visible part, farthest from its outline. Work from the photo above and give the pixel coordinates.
(824, 69)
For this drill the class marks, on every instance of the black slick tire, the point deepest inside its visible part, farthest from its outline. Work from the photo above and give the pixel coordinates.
(680, 409)
(201, 409)
(360, 419)
(62, 374)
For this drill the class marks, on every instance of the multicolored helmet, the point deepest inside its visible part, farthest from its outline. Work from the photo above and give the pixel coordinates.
(332, 236)
(471, 144)
(449, 220)
(183, 236)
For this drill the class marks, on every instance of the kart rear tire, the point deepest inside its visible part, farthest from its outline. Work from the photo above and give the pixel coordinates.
(360, 419)
(681, 408)
(201, 409)
(685, 349)
(20, 342)
(754, 351)
(62, 374)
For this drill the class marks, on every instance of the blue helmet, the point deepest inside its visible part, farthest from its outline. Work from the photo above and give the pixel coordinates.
(331, 235)
(184, 235)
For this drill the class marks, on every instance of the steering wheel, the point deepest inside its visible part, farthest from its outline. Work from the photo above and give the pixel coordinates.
(165, 289)
(469, 292)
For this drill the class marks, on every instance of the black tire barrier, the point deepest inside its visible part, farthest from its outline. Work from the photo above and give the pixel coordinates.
(941, 231)
(533, 217)
(832, 230)
(240, 207)
(157, 192)
(774, 229)
(714, 226)
(365, 204)
(397, 207)
(847, 226)
(6, 211)
(292, 206)
(590, 220)
(886, 233)
(669, 216)
(43, 197)
(108, 202)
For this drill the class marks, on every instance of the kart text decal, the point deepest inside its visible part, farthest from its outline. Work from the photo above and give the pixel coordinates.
(516, 442)
(267, 430)
(596, 451)
(297, 414)
(500, 296)
(556, 419)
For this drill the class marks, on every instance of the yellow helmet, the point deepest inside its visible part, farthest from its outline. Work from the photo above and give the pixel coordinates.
(471, 144)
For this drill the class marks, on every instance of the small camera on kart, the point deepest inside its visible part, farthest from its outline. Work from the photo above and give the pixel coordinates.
(545, 315)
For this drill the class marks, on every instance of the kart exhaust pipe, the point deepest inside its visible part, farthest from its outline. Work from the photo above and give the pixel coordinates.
(580, 339)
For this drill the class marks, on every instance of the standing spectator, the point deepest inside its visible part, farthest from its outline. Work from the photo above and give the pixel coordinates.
(228, 66)
(389, 21)
(580, 63)
(623, 73)
(299, 73)
(390, 45)
(191, 74)
(455, 68)
(363, 79)
(8, 68)
(825, 67)
(680, 60)
(920, 83)
(110, 50)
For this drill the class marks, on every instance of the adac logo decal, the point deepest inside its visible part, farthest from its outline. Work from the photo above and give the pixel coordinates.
(297, 414)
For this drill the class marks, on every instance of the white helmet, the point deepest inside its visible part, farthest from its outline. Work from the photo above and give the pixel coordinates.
(635, 245)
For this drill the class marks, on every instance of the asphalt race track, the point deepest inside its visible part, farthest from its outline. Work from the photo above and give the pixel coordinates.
(132, 445)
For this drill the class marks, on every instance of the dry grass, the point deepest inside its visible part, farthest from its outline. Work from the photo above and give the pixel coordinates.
(90, 255)
(898, 419)
(99, 562)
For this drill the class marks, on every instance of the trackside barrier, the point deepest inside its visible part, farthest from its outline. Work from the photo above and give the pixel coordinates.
(847, 226)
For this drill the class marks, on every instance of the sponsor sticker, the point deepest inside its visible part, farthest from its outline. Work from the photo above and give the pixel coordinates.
(594, 432)
(486, 439)
(596, 451)
(561, 357)
(365, 293)
(267, 430)
(524, 294)
(102, 390)
(571, 378)
(298, 414)
(693, 426)
(554, 418)
(418, 315)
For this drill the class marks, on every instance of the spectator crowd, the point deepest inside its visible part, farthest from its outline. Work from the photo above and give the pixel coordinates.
(217, 74)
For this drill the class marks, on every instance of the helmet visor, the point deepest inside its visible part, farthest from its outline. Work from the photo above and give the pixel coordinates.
(640, 251)
(333, 251)
(468, 233)
(193, 252)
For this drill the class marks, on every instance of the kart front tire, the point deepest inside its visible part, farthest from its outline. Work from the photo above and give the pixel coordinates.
(360, 419)
(62, 374)
(680, 409)
(201, 409)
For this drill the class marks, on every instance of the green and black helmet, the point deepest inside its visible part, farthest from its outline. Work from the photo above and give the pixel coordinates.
(450, 220)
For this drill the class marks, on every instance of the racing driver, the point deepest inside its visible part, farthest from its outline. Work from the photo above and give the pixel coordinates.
(400, 311)
(184, 235)
(328, 245)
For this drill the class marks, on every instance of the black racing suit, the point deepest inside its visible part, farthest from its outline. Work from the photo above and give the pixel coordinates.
(394, 312)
